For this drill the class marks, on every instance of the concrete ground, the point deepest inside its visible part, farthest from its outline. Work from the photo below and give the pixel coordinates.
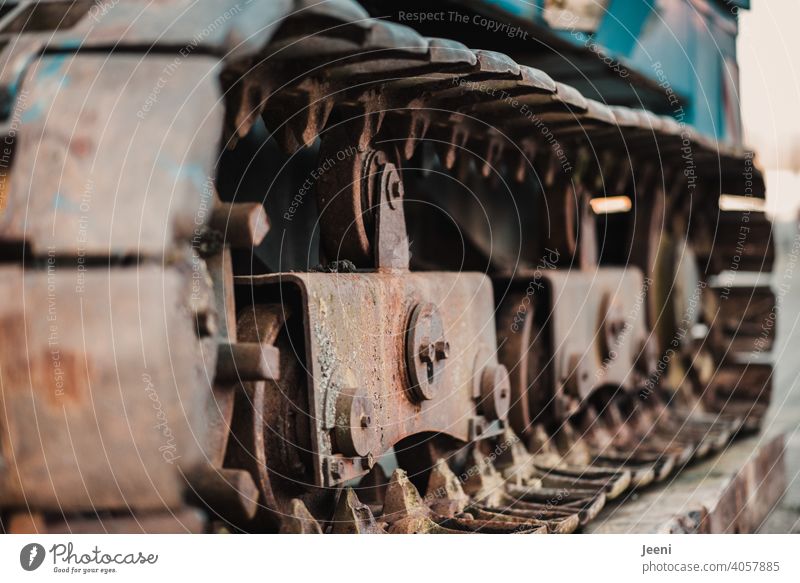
(784, 415)
(701, 487)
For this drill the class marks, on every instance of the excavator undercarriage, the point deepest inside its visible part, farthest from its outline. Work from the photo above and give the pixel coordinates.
(312, 271)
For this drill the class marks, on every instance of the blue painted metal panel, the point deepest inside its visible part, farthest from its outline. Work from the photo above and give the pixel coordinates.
(530, 10)
(685, 42)
(622, 25)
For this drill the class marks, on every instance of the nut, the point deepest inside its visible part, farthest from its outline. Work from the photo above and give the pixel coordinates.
(355, 434)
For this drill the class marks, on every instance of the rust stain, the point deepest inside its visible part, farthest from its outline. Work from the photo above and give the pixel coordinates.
(81, 146)
(57, 375)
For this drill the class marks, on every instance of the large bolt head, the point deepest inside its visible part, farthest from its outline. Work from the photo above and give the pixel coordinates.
(426, 350)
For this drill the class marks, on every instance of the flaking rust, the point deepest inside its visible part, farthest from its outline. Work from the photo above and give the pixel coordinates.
(327, 362)
(507, 377)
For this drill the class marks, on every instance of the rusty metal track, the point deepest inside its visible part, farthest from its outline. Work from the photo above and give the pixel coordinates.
(363, 396)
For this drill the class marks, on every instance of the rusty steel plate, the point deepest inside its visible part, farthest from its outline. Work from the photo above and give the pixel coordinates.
(105, 406)
(161, 187)
(597, 330)
(356, 330)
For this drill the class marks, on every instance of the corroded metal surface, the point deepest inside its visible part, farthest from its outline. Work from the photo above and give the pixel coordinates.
(84, 371)
(430, 375)
(356, 332)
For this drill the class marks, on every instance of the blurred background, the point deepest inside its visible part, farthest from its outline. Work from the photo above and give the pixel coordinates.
(769, 64)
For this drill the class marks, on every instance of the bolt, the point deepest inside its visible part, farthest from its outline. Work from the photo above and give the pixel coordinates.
(366, 421)
(246, 361)
(368, 461)
(206, 324)
(244, 224)
(336, 468)
(427, 351)
(426, 347)
(431, 352)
